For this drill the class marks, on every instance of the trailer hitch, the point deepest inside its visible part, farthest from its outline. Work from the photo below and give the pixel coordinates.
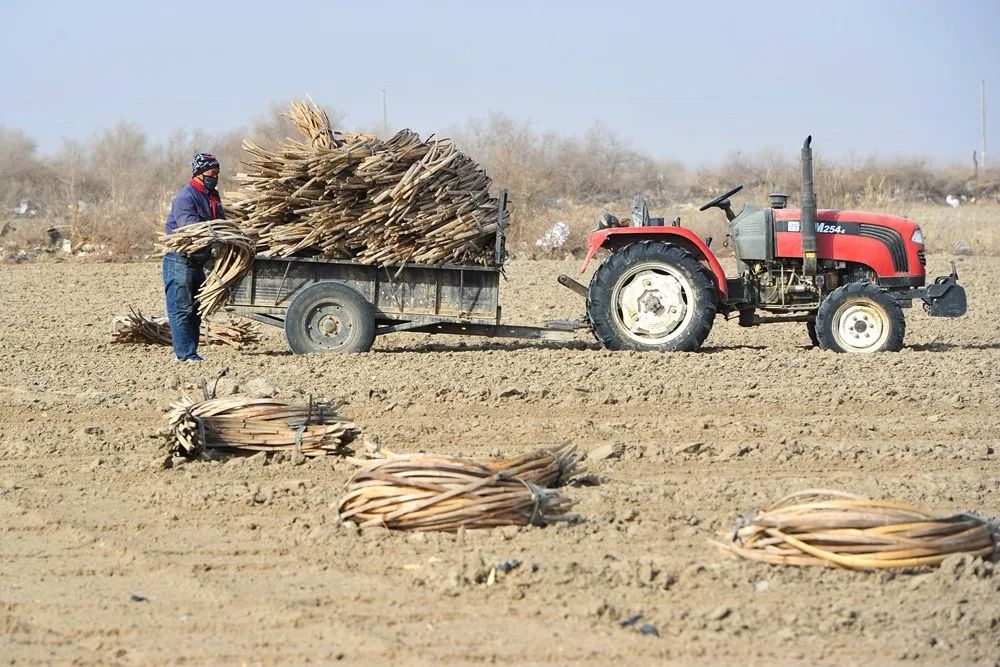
(568, 282)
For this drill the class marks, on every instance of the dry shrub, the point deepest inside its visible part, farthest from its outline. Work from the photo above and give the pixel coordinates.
(24, 176)
(113, 191)
(23, 234)
(118, 231)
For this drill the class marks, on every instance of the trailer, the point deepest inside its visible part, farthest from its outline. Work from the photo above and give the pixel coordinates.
(331, 305)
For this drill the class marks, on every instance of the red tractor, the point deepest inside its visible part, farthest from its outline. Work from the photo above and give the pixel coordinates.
(846, 274)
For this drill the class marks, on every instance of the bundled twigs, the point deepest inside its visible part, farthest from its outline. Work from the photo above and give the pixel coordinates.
(259, 424)
(354, 196)
(234, 253)
(432, 492)
(549, 466)
(137, 328)
(837, 529)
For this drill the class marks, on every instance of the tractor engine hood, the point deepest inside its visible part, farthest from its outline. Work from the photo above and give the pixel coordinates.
(904, 226)
(889, 245)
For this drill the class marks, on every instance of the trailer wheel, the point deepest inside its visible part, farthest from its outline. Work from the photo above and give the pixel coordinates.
(652, 295)
(329, 317)
(860, 317)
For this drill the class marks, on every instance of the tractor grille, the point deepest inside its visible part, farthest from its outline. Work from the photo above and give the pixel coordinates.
(922, 256)
(892, 240)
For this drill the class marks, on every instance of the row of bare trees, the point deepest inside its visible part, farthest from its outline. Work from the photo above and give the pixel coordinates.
(114, 189)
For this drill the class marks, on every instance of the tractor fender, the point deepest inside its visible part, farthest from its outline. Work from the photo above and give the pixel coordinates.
(616, 237)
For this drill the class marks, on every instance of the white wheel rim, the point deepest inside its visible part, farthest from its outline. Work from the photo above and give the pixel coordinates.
(860, 327)
(653, 303)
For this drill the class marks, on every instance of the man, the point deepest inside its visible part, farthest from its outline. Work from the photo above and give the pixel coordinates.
(183, 274)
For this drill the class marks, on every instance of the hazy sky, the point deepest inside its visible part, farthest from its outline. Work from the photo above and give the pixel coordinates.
(691, 81)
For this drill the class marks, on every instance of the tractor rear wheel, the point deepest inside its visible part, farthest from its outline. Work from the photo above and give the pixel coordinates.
(860, 317)
(652, 295)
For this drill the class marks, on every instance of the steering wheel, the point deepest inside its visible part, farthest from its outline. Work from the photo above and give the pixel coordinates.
(719, 200)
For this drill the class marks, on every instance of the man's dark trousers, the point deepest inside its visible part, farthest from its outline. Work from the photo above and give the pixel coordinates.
(182, 276)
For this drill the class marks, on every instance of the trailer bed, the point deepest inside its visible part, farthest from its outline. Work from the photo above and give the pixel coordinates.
(438, 298)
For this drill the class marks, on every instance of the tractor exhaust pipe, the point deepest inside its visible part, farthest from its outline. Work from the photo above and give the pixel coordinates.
(808, 212)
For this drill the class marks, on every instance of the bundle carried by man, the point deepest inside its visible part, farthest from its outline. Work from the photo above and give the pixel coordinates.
(354, 196)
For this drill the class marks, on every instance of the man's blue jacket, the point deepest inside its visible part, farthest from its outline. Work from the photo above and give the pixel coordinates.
(193, 203)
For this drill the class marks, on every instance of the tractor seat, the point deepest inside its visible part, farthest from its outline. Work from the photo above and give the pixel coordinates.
(608, 220)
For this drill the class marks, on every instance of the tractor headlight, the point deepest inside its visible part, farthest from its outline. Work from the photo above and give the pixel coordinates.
(918, 236)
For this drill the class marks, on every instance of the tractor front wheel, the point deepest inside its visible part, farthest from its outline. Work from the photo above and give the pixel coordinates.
(652, 295)
(860, 317)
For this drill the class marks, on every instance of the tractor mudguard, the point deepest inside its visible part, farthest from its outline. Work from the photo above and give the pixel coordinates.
(615, 237)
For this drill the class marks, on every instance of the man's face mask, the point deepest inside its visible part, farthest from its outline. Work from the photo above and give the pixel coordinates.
(210, 181)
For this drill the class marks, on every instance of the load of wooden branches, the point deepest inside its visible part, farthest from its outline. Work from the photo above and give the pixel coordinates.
(136, 328)
(838, 529)
(259, 424)
(434, 492)
(354, 196)
(233, 252)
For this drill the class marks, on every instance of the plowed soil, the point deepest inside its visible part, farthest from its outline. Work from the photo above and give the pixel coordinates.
(109, 556)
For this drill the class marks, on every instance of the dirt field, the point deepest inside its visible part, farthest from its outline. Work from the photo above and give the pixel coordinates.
(244, 562)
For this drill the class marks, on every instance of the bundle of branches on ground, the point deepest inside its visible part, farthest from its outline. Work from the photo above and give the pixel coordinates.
(136, 328)
(837, 529)
(259, 424)
(354, 196)
(233, 256)
(433, 492)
